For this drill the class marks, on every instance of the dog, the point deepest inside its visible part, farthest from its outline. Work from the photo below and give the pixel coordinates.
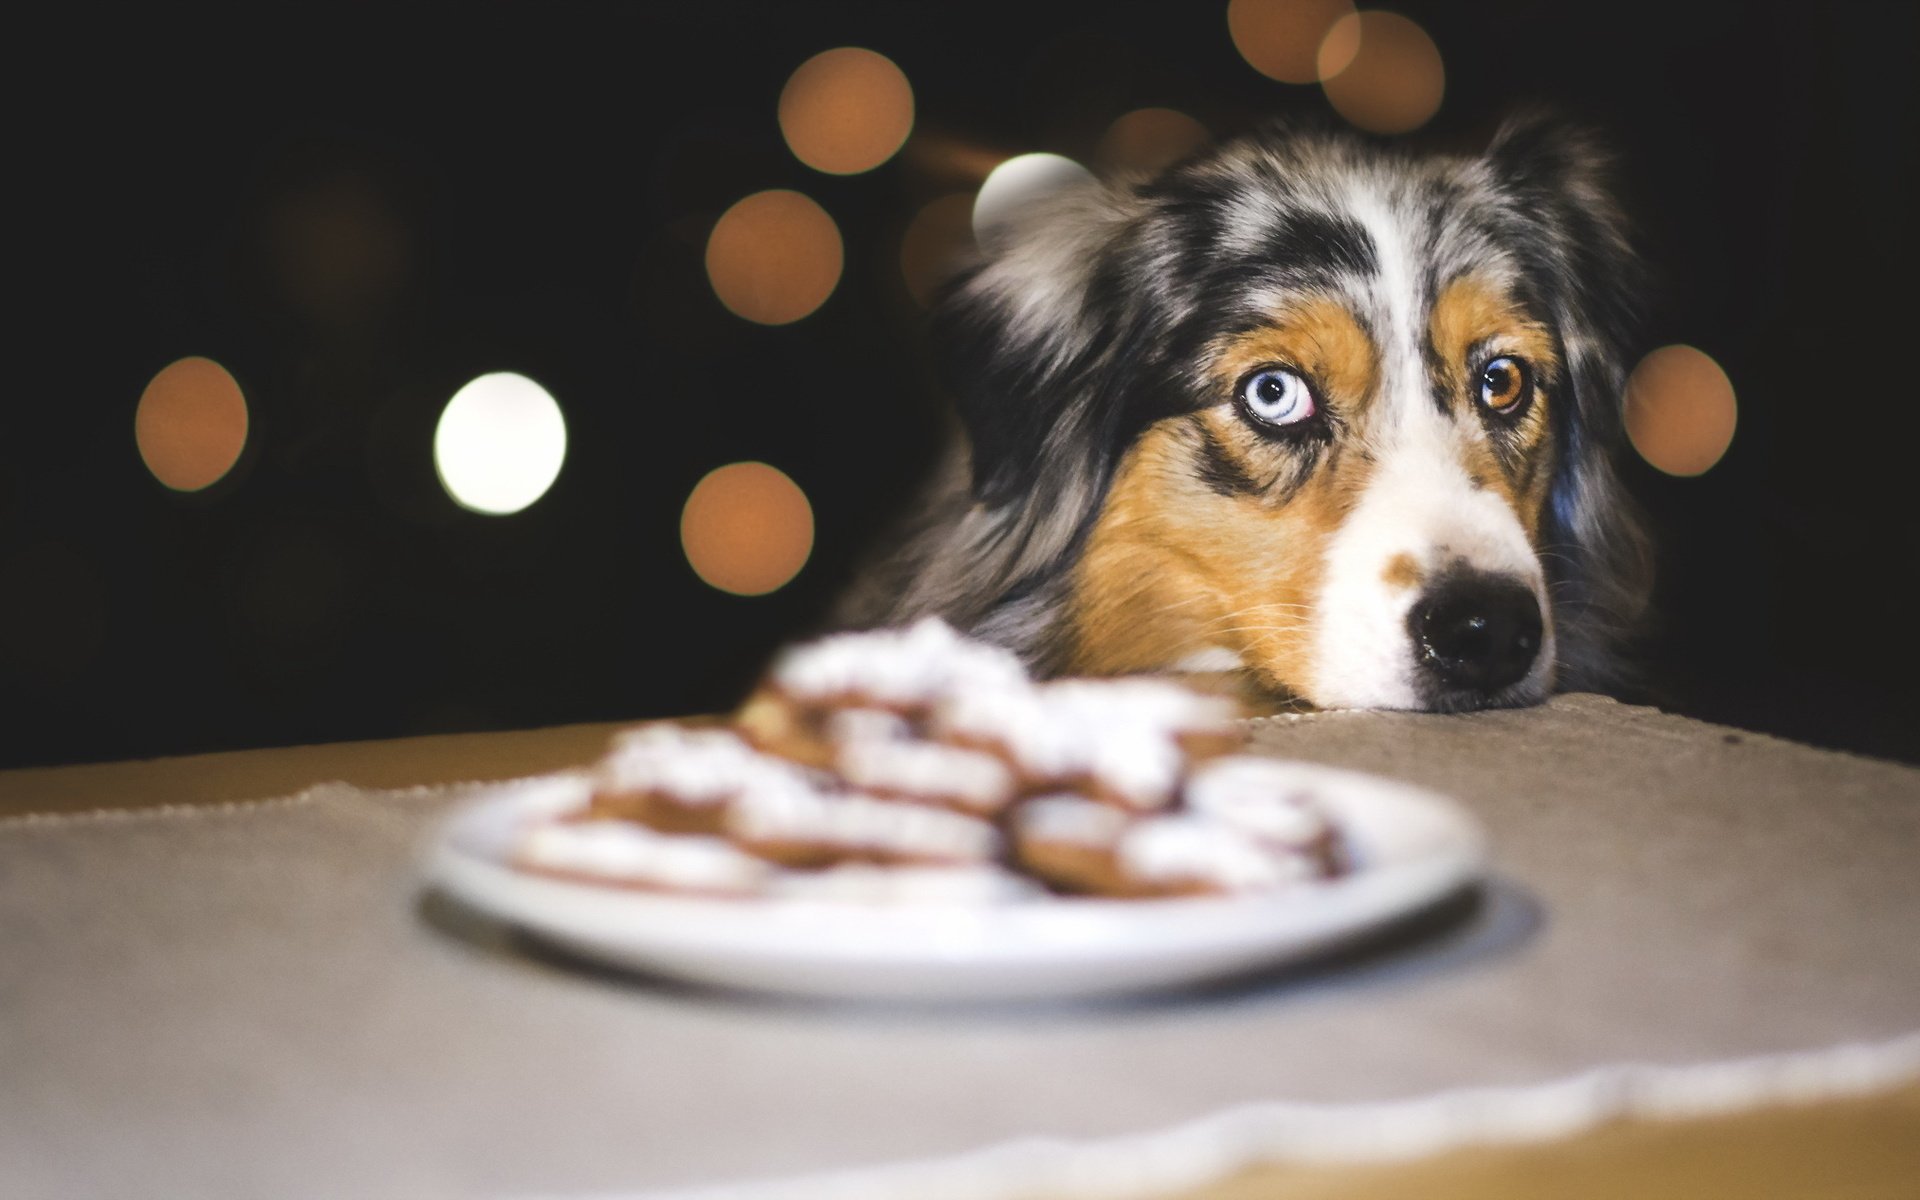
(1309, 408)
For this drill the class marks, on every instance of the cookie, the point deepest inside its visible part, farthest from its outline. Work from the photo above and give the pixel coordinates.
(968, 781)
(1084, 846)
(1070, 843)
(1266, 799)
(1125, 742)
(678, 780)
(1187, 854)
(806, 827)
(903, 672)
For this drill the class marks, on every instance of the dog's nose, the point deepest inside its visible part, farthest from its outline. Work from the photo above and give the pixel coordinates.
(1474, 631)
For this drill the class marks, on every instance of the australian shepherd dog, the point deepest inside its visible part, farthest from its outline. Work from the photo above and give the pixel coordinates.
(1306, 407)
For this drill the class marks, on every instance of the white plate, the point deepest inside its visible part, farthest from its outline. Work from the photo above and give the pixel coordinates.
(1410, 848)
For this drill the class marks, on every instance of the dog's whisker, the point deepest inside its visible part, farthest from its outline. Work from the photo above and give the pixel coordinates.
(1178, 604)
(1270, 606)
(1296, 614)
(1265, 628)
(1215, 628)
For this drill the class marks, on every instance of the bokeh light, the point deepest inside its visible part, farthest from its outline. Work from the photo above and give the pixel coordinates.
(774, 257)
(747, 528)
(1149, 139)
(1382, 72)
(499, 444)
(1018, 182)
(1281, 39)
(191, 424)
(846, 111)
(937, 242)
(1681, 410)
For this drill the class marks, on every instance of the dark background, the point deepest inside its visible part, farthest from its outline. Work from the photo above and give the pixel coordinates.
(541, 179)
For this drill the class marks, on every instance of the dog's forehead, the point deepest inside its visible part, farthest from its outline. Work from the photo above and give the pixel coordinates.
(1383, 236)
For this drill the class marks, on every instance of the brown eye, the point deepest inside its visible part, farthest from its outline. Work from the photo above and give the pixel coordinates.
(1506, 385)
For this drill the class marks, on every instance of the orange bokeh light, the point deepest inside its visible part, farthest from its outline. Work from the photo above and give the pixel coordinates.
(747, 528)
(937, 241)
(1148, 139)
(1382, 72)
(774, 257)
(191, 424)
(846, 111)
(1281, 38)
(1681, 410)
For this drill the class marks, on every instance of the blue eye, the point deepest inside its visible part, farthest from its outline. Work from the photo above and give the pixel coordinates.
(1277, 396)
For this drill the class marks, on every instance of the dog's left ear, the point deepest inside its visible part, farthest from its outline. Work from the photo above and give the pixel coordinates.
(1575, 252)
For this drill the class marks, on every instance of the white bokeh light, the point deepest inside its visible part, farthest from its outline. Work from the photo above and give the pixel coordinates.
(500, 443)
(1018, 182)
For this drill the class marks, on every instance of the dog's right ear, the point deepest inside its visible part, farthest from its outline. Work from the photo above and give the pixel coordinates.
(1584, 268)
(1040, 344)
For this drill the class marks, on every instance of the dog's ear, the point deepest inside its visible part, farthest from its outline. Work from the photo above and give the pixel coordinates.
(1576, 254)
(1039, 344)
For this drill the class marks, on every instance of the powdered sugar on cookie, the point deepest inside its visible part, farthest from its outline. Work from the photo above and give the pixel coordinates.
(1258, 796)
(1119, 740)
(1191, 853)
(898, 668)
(802, 826)
(695, 766)
(969, 780)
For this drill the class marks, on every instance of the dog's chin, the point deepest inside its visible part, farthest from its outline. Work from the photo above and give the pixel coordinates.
(1457, 700)
(1434, 700)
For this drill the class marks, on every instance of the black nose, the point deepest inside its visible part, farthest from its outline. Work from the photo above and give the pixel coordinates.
(1477, 632)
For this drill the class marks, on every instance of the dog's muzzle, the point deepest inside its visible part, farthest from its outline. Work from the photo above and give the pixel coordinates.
(1474, 634)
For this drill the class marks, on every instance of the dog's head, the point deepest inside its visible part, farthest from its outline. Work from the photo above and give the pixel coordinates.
(1305, 405)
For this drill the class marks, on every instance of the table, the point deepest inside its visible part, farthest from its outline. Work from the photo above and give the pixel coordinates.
(205, 995)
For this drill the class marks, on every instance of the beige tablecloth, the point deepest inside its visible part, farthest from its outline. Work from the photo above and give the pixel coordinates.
(259, 1000)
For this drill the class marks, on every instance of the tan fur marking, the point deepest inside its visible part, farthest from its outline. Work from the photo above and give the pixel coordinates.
(1471, 309)
(1483, 466)
(1318, 337)
(1472, 314)
(1402, 572)
(1173, 566)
